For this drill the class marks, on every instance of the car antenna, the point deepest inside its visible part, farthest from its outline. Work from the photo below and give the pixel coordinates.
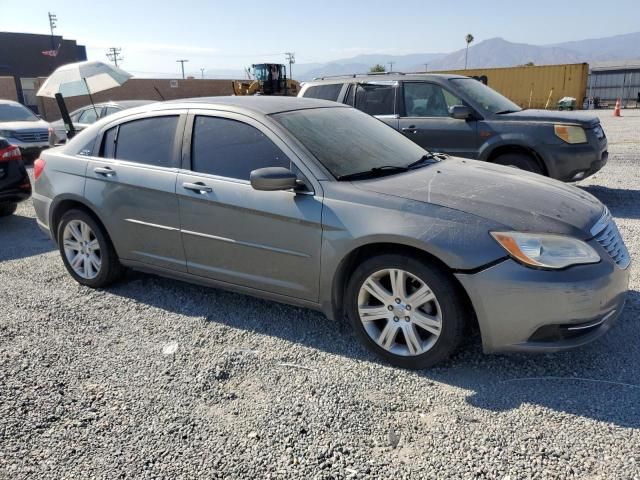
(156, 89)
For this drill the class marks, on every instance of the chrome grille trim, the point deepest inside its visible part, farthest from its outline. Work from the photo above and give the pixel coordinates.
(606, 233)
(30, 136)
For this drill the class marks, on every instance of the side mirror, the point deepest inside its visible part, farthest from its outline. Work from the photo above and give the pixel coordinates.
(460, 112)
(273, 178)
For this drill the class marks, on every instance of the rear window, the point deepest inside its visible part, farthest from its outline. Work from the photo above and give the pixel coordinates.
(376, 99)
(324, 92)
(149, 141)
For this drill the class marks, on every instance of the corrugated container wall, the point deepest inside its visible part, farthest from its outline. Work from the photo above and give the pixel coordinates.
(536, 86)
(613, 84)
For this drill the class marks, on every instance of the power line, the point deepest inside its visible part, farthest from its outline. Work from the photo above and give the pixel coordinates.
(181, 62)
(114, 55)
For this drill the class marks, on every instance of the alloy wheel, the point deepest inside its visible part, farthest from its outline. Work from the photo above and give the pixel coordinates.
(82, 249)
(399, 312)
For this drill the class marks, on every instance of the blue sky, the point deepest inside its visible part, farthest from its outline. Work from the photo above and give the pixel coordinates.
(230, 35)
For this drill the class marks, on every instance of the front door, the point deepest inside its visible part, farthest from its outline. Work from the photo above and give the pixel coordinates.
(132, 184)
(268, 241)
(426, 120)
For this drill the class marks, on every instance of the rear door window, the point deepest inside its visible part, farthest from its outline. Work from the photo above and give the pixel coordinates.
(376, 98)
(422, 99)
(149, 141)
(232, 149)
(324, 92)
(89, 115)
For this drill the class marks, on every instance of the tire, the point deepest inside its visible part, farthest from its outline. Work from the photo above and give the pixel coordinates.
(8, 209)
(71, 235)
(428, 347)
(521, 161)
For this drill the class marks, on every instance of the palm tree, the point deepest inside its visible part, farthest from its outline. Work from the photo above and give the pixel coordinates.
(468, 39)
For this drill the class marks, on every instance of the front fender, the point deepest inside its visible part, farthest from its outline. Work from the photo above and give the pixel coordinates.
(506, 140)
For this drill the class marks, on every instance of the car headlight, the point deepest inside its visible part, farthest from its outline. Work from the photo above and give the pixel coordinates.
(6, 133)
(542, 250)
(570, 133)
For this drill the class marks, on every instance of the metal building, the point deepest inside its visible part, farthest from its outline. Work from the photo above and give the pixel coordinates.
(609, 81)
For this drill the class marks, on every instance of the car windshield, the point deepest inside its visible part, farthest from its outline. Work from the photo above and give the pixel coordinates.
(10, 112)
(347, 141)
(487, 98)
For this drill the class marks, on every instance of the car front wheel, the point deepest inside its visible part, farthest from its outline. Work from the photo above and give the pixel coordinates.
(86, 250)
(406, 311)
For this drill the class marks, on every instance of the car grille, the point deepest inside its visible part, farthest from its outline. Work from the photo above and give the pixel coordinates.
(32, 136)
(606, 233)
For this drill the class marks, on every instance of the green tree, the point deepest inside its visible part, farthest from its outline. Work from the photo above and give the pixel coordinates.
(377, 68)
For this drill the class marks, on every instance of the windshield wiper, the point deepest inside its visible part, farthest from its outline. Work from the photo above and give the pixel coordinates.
(426, 159)
(501, 112)
(375, 172)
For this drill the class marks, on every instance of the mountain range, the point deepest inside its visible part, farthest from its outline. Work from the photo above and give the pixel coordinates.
(493, 52)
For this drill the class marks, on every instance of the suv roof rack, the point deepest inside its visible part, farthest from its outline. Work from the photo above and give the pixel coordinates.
(355, 75)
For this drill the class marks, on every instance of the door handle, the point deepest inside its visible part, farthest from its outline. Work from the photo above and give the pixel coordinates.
(197, 187)
(106, 171)
(410, 128)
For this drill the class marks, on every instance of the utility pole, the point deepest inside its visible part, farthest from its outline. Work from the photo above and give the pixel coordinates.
(52, 24)
(291, 58)
(114, 55)
(181, 62)
(202, 73)
(426, 67)
(391, 66)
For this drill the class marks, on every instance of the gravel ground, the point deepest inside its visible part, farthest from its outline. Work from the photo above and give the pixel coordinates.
(154, 378)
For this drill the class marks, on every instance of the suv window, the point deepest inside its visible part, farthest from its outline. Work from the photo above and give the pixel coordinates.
(423, 99)
(324, 92)
(90, 115)
(232, 149)
(376, 99)
(149, 141)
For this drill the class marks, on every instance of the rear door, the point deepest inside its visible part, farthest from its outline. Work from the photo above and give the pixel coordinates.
(375, 98)
(132, 184)
(268, 241)
(425, 120)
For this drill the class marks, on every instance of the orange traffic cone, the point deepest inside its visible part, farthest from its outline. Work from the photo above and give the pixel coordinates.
(616, 110)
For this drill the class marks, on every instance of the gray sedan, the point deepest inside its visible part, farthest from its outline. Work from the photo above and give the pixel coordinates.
(319, 205)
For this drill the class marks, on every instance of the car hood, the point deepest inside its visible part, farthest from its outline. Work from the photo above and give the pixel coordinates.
(585, 120)
(23, 125)
(518, 200)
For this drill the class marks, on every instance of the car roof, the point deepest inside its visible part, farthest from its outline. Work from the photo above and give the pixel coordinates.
(257, 103)
(392, 76)
(9, 102)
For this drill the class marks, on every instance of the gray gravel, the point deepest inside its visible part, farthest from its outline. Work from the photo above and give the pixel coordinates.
(154, 378)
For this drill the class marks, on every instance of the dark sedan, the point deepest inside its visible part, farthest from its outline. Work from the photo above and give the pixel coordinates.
(15, 186)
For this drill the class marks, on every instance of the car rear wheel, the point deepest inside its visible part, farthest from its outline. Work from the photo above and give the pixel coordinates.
(86, 250)
(8, 209)
(521, 161)
(406, 311)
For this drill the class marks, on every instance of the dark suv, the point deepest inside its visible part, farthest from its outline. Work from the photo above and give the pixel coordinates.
(463, 117)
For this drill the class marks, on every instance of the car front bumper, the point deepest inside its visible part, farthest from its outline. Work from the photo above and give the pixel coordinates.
(522, 309)
(570, 163)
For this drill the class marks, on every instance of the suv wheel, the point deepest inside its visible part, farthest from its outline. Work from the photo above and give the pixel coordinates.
(406, 311)
(86, 250)
(521, 161)
(8, 209)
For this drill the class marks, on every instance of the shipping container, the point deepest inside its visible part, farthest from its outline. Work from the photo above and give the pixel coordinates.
(535, 86)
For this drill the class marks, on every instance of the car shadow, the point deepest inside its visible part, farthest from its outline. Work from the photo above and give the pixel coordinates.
(21, 237)
(599, 381)
(622, 202)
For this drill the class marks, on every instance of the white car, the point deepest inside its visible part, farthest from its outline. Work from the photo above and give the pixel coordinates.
(23, 128)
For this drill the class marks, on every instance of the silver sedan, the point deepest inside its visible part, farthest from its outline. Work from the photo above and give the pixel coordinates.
(316, 204)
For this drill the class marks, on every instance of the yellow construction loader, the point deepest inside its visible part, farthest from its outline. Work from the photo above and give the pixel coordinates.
(267, 79)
